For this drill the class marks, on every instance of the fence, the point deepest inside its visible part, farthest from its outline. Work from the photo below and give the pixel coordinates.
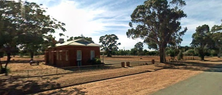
(110, 64)
(66, 70)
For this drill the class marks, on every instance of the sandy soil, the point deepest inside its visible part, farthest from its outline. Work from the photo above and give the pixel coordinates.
(140, 84)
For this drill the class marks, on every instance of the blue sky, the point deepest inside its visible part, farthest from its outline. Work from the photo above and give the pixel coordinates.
(95, 18)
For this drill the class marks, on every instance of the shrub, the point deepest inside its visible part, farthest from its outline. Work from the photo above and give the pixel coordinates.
(180, 55)
(95, 61)
(171, 52)
(5, 70)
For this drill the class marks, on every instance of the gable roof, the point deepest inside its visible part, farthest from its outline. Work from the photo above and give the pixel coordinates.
(78, 42)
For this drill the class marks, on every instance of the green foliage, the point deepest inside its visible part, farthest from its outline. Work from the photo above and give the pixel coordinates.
(153, 53)
(190, 52)
(202, 40)
(171, 52)
(78, 37)
(25, 26)
(180, 55)
(213, 53)
(134, 52)
(217, 38)
(5, 70)
(95, 61)
(109, 44)
(139, 48)
(157, 22)
(30, 24)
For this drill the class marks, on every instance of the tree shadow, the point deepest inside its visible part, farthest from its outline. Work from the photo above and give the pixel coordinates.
(13, 86)
(76, 91)
(122, 57)
(197, 66)
(21, 61)
(88, 68)
(16, 86)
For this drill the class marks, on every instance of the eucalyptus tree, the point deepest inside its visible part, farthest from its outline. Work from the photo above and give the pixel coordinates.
(35, 26)
(24, 24)
(78, 37)
(202, 40)
(158, 23)
(138, 47)
(109, 43)
(217, 38)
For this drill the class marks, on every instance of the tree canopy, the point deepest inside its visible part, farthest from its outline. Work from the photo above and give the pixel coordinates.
(77, 37)
(158, 23)
(109, 43)
(25, 24)
(202, 40)
(217, 38)
(138, 47)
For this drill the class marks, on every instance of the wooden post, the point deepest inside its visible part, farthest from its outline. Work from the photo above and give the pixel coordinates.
(153, 61)
(123, 64)
(128, 64)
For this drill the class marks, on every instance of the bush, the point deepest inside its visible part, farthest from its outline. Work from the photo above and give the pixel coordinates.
(171, 53)
(180, 55)
(5, 70)
(95, 61)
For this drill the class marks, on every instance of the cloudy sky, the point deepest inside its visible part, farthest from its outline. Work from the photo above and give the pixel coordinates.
(95, 18)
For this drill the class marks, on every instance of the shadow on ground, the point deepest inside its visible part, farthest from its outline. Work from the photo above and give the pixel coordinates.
(22, 61)
(199, 66)
(76, 91)
(89, 68)
(14, 86)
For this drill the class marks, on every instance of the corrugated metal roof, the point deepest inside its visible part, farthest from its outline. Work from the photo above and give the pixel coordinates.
(78, 42)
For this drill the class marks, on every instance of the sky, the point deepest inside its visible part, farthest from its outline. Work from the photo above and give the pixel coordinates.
(95, 18)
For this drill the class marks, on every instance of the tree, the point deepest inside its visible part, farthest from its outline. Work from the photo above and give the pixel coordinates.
(139, 47)
(217, 38)
(24, 26)
(190, 52)
(78, 37)
(158, 23)
(201, 40)
(109, 43)
(35, 26)
(9, 22)
(180, 55)
(133, 51)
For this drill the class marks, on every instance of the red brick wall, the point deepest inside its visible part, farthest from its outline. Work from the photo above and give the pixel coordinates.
(72, 54)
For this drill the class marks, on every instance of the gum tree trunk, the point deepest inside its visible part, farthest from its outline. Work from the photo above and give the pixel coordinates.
(8, 59)
(162, 55)
(31, 55)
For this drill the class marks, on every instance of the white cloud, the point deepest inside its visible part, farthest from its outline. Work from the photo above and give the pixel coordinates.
(112, 17)
(127, 43)
(78, 21)
(191, 24)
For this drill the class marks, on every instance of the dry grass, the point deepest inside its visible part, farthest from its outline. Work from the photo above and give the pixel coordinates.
(140, 84)
(36, 84)
(143, 83)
